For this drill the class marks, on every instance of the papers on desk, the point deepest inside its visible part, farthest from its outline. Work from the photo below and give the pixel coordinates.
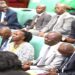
(37, 72)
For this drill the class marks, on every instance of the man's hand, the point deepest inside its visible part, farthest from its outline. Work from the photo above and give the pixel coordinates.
(26, 67)
(69, 40)
(28, 63)
(24, 29)
(41, 34)
(4, 23)
(53, 72)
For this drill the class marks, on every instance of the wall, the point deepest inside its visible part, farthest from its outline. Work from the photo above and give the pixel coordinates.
(71, 3)
(50, 3)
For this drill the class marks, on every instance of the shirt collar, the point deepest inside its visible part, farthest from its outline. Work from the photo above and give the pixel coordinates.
(40, 14)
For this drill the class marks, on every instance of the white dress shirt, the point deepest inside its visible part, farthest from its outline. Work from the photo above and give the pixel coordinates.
(3, 16)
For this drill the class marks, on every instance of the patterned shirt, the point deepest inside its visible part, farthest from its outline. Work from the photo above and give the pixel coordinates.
(25, 51)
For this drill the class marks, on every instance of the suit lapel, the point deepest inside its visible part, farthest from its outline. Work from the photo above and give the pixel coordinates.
(71, 59)
(0, 15)
(7, 14)
(60, 22)
(69, 63)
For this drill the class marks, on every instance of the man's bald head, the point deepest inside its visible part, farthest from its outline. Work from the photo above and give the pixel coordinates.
(2, 2)
(60, 8)
(3, 5)
(66, 49)
(53, 38)
(40, 8)
(5, 32)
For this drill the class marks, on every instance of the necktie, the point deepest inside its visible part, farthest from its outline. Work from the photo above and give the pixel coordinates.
(35, 21)
(41, 62)
(56, 20)
(36, 18)
(60, 68)
(3, 44)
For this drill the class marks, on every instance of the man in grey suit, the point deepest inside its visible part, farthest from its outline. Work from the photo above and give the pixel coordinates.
(40, 20)
(61, 22)
(49, 56)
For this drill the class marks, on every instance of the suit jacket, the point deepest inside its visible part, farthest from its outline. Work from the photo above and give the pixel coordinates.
(11, 18)
(62, 24)
(72, 34)
(52, 59)
(70, 67)
(41, 21)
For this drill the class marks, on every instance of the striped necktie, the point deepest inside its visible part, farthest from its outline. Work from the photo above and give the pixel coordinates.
(41, 62)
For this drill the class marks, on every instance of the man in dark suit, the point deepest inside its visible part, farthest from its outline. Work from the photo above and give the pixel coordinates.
(8, 17)
(68, 67)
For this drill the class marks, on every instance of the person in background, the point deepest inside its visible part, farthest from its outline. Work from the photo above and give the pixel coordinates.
(10, 64)
(68, 67)
(21, 46)
(8, 17)
(49, 56)
(71, 37)
(5, 33)
(40, 20)
(61, 22)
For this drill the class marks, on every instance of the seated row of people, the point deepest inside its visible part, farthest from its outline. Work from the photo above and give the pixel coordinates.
(18, 43)
(10, 64)
(53, 52)
(50, 55)
(42, 22)
(60, 22)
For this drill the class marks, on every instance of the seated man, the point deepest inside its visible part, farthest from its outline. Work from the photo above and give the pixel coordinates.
(49, 56)
(40, 20)
(71, 37)
(68, 67)
(5, 34)
(8, 17)
(61, 22)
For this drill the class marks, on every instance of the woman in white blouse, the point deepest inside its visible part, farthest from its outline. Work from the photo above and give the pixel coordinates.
(21, 45)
